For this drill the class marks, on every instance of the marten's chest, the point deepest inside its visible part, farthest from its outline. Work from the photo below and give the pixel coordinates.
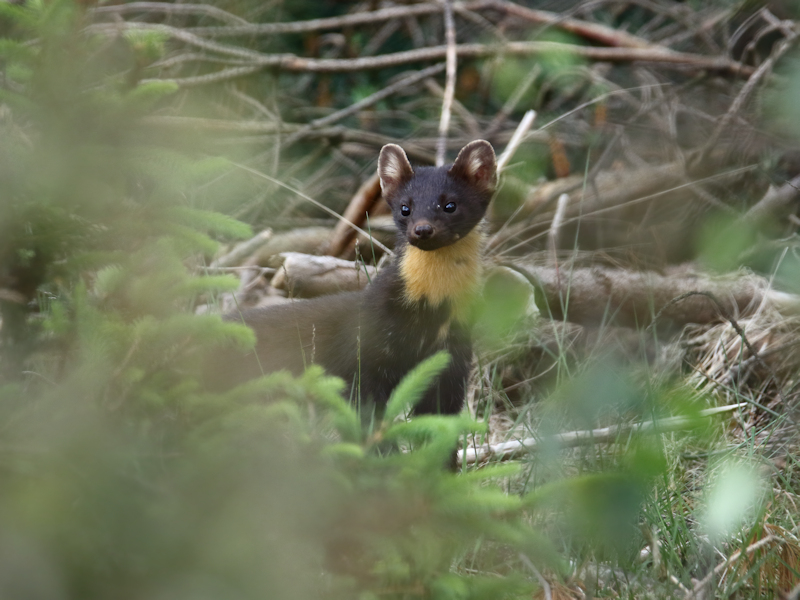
(448, 277)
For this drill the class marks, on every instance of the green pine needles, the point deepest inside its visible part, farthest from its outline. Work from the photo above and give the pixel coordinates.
(120, 475)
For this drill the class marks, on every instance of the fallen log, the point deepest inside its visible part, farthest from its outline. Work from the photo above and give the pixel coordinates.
(590, 296)
(307, 276)
(587, 296)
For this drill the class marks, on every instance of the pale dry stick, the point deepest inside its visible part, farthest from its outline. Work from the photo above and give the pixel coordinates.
(221, 125)
(187, 57)
(316, 203)
(242, 250)
(171, 8)
(697, 591)
(14, 296)
(572, 439)
(555, 225)
(677, 582)
(548, 593)
(450, 80)
(217, 77)
(261, 270)
(519, 134)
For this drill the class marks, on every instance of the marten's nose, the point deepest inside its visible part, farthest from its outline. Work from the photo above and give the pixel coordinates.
(423, 231)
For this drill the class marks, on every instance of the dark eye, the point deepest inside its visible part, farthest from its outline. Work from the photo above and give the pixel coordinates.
(405, 211)
(450, 207)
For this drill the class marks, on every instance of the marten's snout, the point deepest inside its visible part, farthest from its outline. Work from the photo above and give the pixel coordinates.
(423, 231)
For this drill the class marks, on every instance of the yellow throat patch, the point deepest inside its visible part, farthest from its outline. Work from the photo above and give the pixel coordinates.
(451, 273)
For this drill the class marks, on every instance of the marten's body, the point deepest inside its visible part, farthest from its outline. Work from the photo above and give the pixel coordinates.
(416, 306)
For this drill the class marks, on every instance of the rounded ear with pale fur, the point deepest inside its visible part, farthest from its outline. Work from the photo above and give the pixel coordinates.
(393, 169)
(477, 164)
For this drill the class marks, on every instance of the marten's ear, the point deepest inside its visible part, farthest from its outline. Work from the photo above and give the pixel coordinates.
(393, 169)
(477, 164)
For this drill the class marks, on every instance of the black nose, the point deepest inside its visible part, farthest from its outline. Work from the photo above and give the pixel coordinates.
(423, 231)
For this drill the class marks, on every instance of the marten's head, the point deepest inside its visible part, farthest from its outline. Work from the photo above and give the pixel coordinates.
(437, 206)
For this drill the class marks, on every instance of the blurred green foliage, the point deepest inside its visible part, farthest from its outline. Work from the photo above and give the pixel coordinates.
(120, 476)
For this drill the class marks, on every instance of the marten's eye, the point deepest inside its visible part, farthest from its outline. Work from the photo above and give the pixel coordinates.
(450, 207)
(405, 211)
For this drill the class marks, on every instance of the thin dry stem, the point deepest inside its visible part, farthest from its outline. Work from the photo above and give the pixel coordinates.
(450, 83)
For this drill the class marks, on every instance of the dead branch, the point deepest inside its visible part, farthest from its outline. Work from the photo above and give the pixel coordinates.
(359, 18)
(311, 200)
(591, 31)
(593, 296)
(242, 251)
(305, 276)
(292, 62)
(513, 144)
(218, 125)
(555, 225)
(216, 77)
(360, 205)
(306, 240)
(603, 435)
(8, 295)
(609, 188)
(170, 8)
(450, 81)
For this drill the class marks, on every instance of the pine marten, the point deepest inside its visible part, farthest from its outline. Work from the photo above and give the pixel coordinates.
(416, 306)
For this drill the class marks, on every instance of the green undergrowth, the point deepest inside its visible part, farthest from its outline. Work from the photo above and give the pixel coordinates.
(122, 477)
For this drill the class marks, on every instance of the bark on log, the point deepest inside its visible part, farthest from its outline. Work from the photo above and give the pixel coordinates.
(306, 276)
(590, 296)
(242, 251)
(608, 189)
(587, 296)
(306, 240)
